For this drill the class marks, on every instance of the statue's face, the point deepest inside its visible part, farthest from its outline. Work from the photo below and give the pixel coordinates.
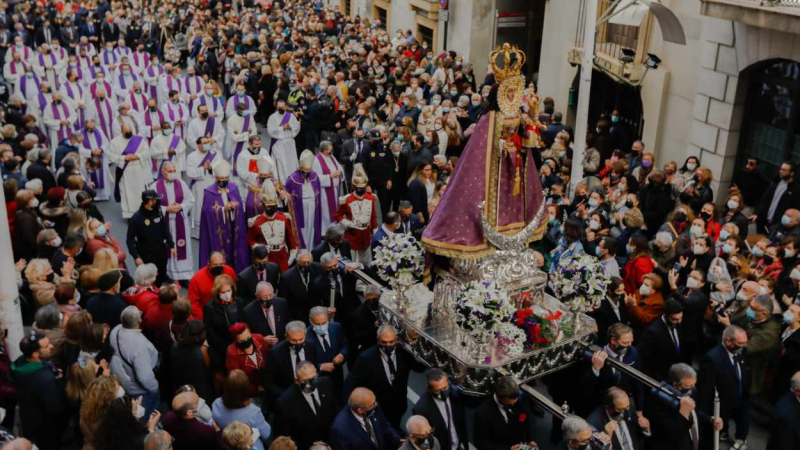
(511, 92)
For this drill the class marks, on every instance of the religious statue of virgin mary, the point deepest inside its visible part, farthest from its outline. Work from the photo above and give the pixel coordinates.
(495, 194)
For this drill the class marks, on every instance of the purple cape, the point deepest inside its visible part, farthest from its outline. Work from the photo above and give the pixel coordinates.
(294, 186)
(226, 237)
(455, 227)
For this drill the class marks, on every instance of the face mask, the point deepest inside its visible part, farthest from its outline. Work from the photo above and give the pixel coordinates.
(207, 147)
(209, 92)
(724, 234)
(297, 347)
(453, 93)
(647, 164)
(594, 225)
(223, 184)
(621, 349)
(696, 231)
(789, 253)
(309, 386)
(101, 230)
(733, 204)
(741, 296)
(645, 290)
(598, 251)
(736, 350)
(788, 317)
(166, 132)
(226, 296)
(751, 314)
(57, 241)
(795, 274)
(786, 220)
(629, 249)
(321, 329)
(360, 191)
(446, 109)
(216, 270)
(727, 248)
(691, 166)
(204, 115)
(592, 202)
(29, 74)
(34, 203)
(692, 283)
(244, 344)
(388, 349)
(128, 135)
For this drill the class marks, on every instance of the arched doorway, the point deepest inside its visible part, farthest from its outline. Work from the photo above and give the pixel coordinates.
(771, 123)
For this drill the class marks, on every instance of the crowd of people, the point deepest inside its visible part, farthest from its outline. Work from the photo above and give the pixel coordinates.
(290, 139)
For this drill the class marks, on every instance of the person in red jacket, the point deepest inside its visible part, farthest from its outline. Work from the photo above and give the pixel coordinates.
(647, 304)
(144, 294)
(248, 353)
(639, 264)
(357, 213)
(157, 316)
(203, 282)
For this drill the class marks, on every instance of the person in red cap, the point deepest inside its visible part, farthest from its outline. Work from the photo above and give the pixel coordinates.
(55, 212)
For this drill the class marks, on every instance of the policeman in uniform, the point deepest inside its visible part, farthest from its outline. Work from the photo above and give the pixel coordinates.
(149, 237)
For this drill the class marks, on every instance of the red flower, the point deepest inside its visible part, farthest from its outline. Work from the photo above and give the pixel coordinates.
(523, 417)
(537, 329)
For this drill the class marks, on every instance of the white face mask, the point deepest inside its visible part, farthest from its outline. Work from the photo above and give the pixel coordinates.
(226, 296)
(645, 290)
(691, 166)
(120, 392)
(762, 291)
(789, 253)
(34, 203)
(741, 296)
(795, 275)
(733, 204)
(171, 176)
(692, 283)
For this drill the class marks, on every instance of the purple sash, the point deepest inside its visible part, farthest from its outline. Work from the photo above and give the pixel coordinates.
(154, 71)
(23, 85)
(94, 71)
(98, 176)
(145, 57)
(42, 102)
(236, 102)
(134, 104)
(196, 83)
(180, 226)
(104, 125)
(171, 113)
(208, 158)
(209, 127)
(105, 57)
(13, 66)
(122, 80)
(286, 116)
(149, 121)
(173, 144)
(330, 191)
(239, 145)
(203, 102)
(93, 88)
(52, 62)
(71, 94)
(130, 149)
(63, 130)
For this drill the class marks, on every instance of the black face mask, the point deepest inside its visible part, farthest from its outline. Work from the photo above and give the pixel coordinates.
(768, 260)
(370, 413)
(360, 191)
(621, 349)
(305, 174)
(245, 344)
(297, 347)
(271, 210)
(732, 268)
(128, 135)
(266, 303)
(309, 386)
(705, 215)
(629, 204)
(303, 269)
(424, 444)
(282, 110)
(388, 349)
(260, 266)
(51, 277)
(406, 218)
(680, 217)
(373, 305)
(443, 395)
(223, 184)
(216, 270)
(204, 115)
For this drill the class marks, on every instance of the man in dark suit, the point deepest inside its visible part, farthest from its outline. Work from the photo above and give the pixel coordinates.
(68, 35)
(379, 165)
(505, 419)
(442, 405)
(364, 321)
(789, 362)
(90, 30)
(110, 31)
(336, 290)
(679, 429)
(295, 286)
(384, 370)
(354, 151)
(46, 34)
(578, 434)
(362, 425)
(599, 376)
(723, 369)
(611, 310)
(333, 242)
(306, 410)
(261, 270)
(618, 420)
(780, 195)
(784, 432)
(331, 344)
(662, 343)
(552, 130)
(284, 359)
(391, 223)
(409, 222)
(267, 315)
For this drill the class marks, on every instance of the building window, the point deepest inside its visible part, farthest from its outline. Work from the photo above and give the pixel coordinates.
(425, 34)
(382, 15)
(771, 123)
(348, 8)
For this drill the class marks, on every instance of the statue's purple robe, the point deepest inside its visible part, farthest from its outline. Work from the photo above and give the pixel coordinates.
(294, 186)
(228, 237)
(455, 227)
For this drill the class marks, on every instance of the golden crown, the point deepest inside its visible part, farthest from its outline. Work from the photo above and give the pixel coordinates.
(509, 69)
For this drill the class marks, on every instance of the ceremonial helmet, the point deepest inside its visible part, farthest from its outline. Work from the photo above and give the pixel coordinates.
(360, 179)
(268, 195)
(264, 165)
(307, 159)
(221, 168)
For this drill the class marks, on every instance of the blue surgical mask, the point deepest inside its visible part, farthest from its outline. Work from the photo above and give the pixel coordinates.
(724, 234)
(786, 220)
(101, 230)
(446, 109)
(592, 202)
(240, 94)
(598, 251)
(751, 314)
(614, 119)
(629, 249)
(207, 147)
(727, 248)
(321, 329)
(436, 102)
(476, 104)
(788, 317)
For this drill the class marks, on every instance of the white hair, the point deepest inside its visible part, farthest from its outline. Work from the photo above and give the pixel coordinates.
(572, 426)
(317, 311)
(130, 317)
(665, 238)
(145, 275)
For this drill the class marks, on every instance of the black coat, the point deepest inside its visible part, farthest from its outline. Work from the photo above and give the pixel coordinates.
(323, 247)
(345, 301)
(594, 386)
(26, 228)
(418, 196)
(658, 351)
(247, 280)
(670, 430)
(279, 374)
(605, 316)
(40, 171)
(788, 365)
(110, 32)
(494, 433)
(717, 371)
(598, 419)
(364, 321)
(42, 402)
(655, 202)
(297, 294)
(217, 321)
(426, 406)
(369, 372)
(296, 419)
(258, 323)
(784, 432)
(789, 199)
(106, 308)
(348, 148)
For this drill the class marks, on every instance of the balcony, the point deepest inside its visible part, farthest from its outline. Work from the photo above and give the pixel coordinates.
(620, 50)
(781, 15)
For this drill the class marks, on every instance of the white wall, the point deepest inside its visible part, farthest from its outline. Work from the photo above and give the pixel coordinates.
(558, 36)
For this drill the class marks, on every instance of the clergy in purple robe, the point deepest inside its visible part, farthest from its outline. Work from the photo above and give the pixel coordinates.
(303, 187)
(223, 227)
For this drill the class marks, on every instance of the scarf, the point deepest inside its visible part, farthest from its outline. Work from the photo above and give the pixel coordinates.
(99, 179)
(180, 224)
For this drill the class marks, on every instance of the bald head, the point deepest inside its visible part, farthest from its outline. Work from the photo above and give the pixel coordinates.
(185, 404)
(418, 425)
(362, 399)
(751, 289)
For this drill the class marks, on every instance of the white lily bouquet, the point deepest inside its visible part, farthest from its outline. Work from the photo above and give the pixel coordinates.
(399, 260)
(482, 307)
(581, 283)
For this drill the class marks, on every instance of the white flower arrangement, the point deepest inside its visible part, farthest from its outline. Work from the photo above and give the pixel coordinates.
(581, 282)
(481, 306)
(399, 260)
(511, 338)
